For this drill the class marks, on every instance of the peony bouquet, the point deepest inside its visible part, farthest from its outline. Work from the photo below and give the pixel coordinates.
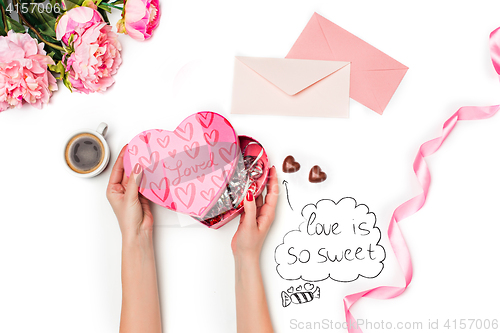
(68, 40)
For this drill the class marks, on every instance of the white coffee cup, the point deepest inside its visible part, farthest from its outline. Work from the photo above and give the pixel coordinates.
(99, 133)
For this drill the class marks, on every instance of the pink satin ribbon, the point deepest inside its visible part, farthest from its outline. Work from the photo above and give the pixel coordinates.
(413, 205)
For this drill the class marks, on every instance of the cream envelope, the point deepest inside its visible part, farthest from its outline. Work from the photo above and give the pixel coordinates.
(291, 87)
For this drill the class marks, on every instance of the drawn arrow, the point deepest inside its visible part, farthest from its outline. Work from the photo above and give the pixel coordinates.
(287, 196)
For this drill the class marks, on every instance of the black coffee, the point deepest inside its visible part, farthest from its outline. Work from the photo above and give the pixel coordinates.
(84, 153)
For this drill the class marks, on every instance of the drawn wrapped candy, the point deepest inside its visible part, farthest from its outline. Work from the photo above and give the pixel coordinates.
(298, 296)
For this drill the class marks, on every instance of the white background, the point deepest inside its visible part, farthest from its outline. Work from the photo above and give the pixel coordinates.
(59, 240)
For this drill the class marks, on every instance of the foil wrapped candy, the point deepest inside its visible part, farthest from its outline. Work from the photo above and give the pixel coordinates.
(248, 170)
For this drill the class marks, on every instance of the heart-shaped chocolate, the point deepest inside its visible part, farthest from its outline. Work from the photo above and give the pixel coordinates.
(290, 165)
(316, 175)
(186, 170)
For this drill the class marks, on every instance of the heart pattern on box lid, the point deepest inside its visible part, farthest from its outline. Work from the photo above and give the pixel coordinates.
(187, 169)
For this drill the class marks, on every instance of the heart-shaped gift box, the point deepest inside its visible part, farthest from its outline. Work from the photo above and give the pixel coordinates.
(202, 168)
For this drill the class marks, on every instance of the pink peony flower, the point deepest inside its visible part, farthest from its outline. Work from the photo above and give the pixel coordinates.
(76, 21)
(139, 18)
(95, 55)
(23, 72)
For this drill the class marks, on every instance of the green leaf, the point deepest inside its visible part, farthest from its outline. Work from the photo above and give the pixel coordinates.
(103, 7)
(63, 74)
(56, 54)
(68, 84)
(51, 39)
(107, 6)
(33, 35)
(14, 25)
(72, 3)
(43, 22)
(3, 18)
(104, 14)
(59, 68)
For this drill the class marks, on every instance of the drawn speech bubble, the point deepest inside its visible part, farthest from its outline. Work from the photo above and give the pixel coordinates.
(337, 240)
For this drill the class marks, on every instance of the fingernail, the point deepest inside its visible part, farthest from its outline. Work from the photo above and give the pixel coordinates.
(137, 169)
(249, 196)
(138, 179)
(138, 174)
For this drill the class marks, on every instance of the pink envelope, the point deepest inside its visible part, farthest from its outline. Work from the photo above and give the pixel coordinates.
(374, 75)
(291, 87)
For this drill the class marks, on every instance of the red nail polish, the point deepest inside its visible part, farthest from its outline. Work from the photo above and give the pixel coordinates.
(249, 196)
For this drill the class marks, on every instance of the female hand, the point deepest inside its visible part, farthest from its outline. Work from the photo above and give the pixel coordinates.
(256, 221)
(131, 209)
(252, 313)
(140, 299)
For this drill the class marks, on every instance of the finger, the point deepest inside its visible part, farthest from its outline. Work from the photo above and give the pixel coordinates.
(117, 172)
(268, 209)
(115, 189)
(146, 208)
(145, 204)
(132, 191)
(125, 180)
(248, 219)
(259, 201)
(272, 188)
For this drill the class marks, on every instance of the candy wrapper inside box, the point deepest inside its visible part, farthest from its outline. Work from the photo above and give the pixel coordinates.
(202, 168)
